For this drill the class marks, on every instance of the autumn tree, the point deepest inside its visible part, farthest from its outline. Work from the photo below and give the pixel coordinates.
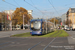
(30, 16)
(3, 20)
(67, 22)
(18, 16)
(53, 19)
(3, 17)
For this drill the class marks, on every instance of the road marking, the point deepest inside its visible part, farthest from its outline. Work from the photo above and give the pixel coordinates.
(36, 44)
(72, 38)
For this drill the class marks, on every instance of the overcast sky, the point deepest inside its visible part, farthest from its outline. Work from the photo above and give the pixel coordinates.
(41, 8)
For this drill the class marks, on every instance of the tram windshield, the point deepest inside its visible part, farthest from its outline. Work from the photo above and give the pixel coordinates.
(35, 25)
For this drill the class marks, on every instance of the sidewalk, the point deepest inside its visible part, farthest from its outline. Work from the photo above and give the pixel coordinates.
(9, 33)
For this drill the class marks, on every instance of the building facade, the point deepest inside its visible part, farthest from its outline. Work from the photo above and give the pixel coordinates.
(59, 19)
(63, 19)
(71, 16)
(9, 16)
(30, 12)
(9, 11)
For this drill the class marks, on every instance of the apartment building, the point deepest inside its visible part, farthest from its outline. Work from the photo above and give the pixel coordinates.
(71, 16)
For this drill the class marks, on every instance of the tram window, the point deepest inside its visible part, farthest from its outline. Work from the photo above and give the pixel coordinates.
(35, 25)
(42, 25)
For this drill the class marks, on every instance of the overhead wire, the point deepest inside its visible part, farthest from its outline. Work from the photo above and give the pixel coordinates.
(19, 5)
(33, 6)
(32, 2)
(53, 7)
(10, 3)
(41, 11)
(16, 2)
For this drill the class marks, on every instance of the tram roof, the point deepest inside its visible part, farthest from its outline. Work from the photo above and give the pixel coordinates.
(37, 20)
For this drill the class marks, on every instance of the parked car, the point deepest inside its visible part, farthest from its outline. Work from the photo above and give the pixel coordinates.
(70, 28)
(67, 28)
(18, 27)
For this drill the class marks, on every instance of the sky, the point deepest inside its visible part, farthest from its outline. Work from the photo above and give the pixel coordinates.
(41, 8)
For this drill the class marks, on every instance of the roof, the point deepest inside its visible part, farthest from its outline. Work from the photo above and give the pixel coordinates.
(37, 20)
(72, 10)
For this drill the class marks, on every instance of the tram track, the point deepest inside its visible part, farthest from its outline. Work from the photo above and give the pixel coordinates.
(54, 34)
(32, 48)
(52, 41)
(48, 40)
(36, 44)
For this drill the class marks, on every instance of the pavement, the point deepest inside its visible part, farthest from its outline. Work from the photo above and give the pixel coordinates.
(11, 43)
(71, 38)
(17, 43)
(9, 33)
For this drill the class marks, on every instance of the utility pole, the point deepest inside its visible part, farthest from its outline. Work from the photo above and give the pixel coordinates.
(10, 21)
(23, 21)
(5, 21)
(54, 21)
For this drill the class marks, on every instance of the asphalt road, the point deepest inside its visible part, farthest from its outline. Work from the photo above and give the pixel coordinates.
(71, 39)
(9, 33)
(14, 43)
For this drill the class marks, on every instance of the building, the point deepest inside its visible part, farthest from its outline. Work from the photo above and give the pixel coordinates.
(30, 12)
(63, 19)
(71, 16)
(9, 17)
(9, 11)
(59, 19)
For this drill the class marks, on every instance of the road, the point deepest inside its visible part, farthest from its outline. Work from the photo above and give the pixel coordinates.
(71, 39)
(9, 33)
(15, 43)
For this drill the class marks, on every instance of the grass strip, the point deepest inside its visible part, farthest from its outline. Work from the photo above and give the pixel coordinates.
(63, 34)
(56, 35)
(22, 35)
(52, 34)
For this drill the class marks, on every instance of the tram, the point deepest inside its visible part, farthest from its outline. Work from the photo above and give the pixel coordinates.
(40, 26)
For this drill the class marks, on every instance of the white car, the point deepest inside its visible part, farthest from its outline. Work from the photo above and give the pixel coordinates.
(68, 28)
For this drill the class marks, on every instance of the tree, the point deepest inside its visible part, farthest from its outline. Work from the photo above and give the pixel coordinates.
(52, 20)
(3, 20)
(18, 16)
(30, 16)
(67, 22)
(3, 17)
